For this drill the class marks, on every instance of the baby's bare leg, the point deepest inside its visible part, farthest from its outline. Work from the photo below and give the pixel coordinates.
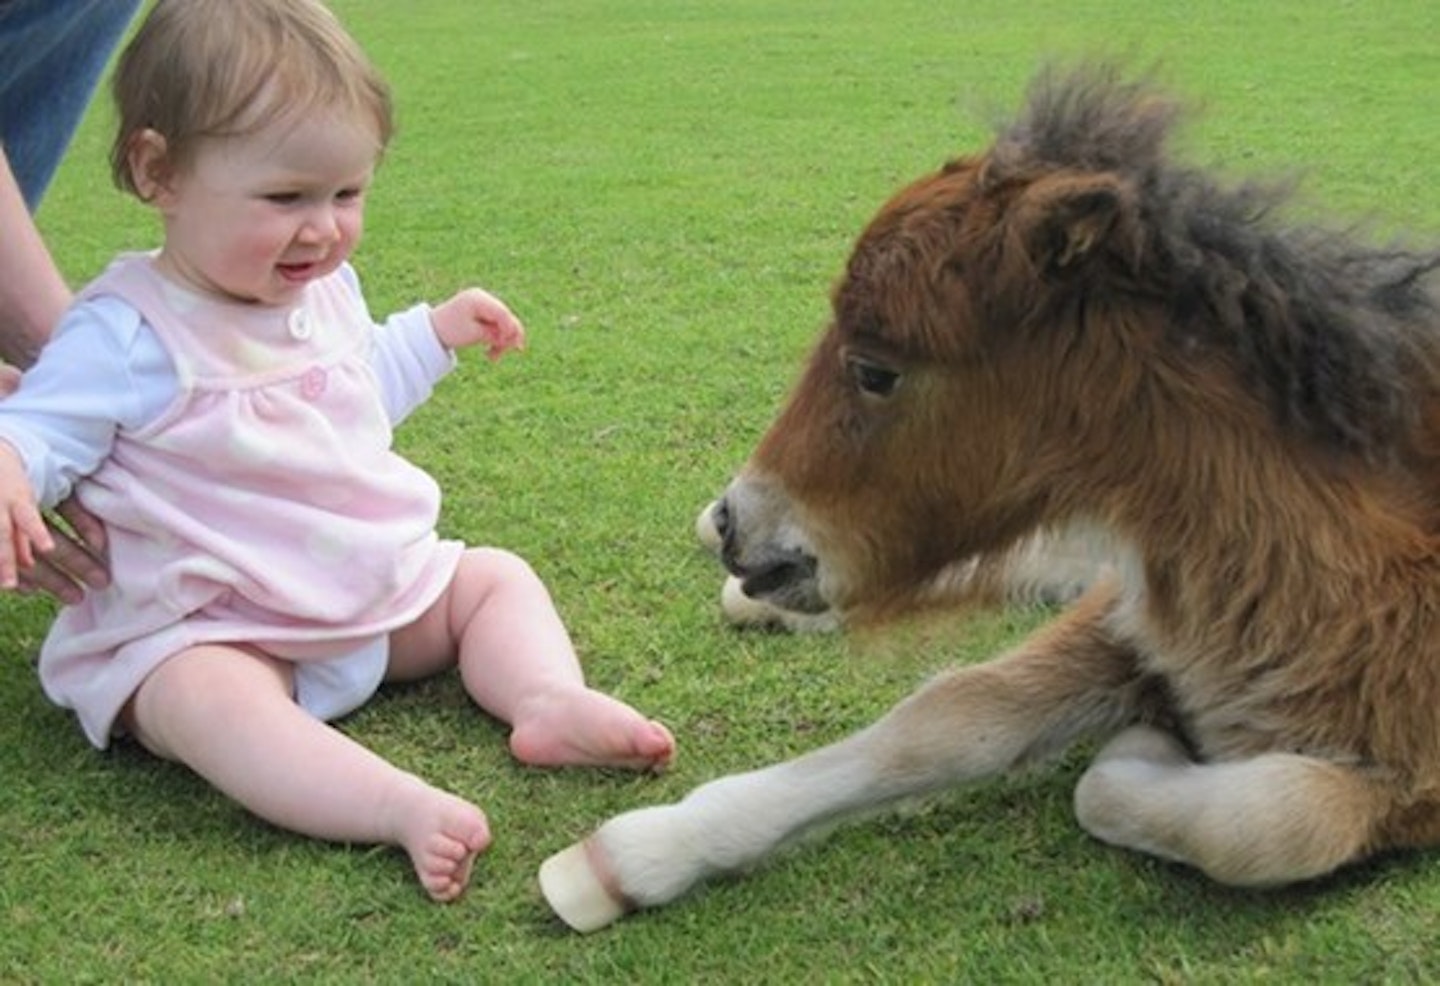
(517, 663)
(1270, 820)
(227, 713)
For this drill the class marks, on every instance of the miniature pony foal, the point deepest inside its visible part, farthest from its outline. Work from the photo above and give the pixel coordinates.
(1071, 333)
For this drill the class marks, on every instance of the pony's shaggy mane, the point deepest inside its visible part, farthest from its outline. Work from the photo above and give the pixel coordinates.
(1338, 337)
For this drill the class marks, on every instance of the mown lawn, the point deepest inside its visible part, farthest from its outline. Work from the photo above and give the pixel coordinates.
(664, 190)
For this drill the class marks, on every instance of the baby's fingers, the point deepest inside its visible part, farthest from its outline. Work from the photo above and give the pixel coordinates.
(502, 335)
(26, 535)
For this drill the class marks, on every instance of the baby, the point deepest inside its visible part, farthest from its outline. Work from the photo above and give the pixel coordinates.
(224, 405)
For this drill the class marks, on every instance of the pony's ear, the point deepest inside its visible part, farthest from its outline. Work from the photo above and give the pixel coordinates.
(1061, 219)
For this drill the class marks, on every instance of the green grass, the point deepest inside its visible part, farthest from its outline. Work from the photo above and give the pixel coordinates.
(664, 190)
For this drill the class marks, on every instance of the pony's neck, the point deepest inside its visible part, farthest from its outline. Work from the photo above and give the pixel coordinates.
(1257, 526)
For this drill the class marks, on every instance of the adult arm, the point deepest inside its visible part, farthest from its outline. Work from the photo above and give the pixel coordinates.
(33, 295)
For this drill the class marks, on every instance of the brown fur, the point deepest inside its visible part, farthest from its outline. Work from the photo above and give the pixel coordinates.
(1085, 331)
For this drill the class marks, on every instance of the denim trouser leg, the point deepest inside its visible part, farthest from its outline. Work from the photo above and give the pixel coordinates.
(52, 53)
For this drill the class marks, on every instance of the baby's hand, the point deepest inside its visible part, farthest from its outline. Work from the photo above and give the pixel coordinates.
(9, 380)
(474, 317)
(22, 529)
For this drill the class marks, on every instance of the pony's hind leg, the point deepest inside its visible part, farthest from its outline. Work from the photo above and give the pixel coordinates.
(1274, 819)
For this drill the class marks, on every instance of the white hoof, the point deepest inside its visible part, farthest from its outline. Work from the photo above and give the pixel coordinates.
(706, 530)
(575, 891)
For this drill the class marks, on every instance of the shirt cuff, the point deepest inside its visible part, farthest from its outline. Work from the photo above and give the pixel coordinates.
(425, 343)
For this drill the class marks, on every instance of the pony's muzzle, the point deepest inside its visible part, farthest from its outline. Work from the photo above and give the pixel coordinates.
(786, 577)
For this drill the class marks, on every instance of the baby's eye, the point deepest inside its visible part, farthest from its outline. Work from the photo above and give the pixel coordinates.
(348, 194)
(282, 198)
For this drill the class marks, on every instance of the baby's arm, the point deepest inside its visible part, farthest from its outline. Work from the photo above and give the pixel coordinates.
(416, 347)
(475, 317)
(22, 529)
(101, 371)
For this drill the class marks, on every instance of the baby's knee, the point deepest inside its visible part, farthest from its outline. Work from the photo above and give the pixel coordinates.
(499, 565)
(495, 575)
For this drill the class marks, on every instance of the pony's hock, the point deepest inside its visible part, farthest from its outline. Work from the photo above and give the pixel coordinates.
(1068, 361)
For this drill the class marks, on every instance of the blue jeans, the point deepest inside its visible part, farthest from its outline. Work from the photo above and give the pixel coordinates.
(52, 54)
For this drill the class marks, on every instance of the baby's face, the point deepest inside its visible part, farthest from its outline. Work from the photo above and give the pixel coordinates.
(258, 216)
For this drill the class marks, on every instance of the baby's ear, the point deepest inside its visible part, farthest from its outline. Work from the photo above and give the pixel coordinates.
(151, 168)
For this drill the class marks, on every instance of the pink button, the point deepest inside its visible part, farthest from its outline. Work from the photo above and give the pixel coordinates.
(312, 383)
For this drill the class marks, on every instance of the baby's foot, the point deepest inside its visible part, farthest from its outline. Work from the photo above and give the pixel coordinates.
(585, 728)
(443, 834)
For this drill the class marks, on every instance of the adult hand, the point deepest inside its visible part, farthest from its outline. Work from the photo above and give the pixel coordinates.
(76, 562)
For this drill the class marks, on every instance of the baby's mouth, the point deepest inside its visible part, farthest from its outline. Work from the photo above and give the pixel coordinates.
(297, 272)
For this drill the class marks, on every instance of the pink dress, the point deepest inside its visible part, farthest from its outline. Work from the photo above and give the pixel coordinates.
(264, 506)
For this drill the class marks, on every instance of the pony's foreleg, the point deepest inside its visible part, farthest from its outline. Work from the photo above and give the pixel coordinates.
(1273, 819)
(1067, 681)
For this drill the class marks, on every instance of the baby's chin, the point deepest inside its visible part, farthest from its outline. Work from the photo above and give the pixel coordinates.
(287, 281)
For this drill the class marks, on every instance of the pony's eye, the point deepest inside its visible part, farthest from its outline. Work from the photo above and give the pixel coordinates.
(872, 378)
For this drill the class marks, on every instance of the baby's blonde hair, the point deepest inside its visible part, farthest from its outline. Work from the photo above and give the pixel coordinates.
(213, 68)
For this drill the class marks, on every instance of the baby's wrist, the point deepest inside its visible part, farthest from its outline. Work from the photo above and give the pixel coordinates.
(442, 318)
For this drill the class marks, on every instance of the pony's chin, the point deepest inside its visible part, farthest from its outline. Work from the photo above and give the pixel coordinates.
(792, 584)
(744, 610)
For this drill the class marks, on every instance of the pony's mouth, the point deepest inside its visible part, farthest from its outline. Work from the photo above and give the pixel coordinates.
(789, 581)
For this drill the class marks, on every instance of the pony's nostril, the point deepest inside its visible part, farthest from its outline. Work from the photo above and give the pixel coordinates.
(720, 517)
